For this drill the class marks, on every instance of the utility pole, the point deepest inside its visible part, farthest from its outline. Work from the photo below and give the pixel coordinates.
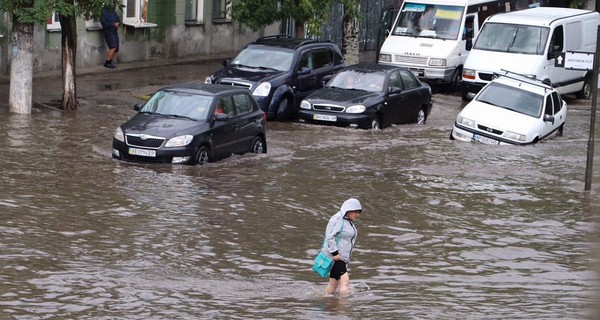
(590, 151)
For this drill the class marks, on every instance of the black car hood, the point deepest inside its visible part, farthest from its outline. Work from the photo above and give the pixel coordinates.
(245, 74)
(162, 126)
(342, 96)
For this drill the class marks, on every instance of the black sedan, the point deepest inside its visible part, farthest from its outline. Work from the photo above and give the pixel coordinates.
(369, 96)
(192, 124)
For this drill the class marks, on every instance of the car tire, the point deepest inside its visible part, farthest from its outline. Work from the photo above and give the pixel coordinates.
(586, 91)
(375, 123)
(258, 145)
(283, 109)
(454, 84)
(421, 116)
(451, 136)
(203, 156)
(560, 131)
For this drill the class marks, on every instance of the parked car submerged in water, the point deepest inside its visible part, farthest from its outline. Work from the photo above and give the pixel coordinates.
(192, 124)
(369, 96)
(280, 71)
(512, 109)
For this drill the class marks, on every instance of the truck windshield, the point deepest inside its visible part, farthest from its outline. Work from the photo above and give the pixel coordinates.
(512, 38)
(429, 21)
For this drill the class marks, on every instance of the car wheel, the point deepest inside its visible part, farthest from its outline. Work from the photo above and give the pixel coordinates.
(282, 109)
(451, 136)
(454, 84)
(421, 116)
(375, 123)
(586, 91)
(203, 156)
(559, 132)
(258, 145)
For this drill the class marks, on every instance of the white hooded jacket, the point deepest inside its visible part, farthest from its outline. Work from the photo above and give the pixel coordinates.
(341, 233)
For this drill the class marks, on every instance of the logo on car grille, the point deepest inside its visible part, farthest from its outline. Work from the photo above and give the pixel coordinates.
(143, 137)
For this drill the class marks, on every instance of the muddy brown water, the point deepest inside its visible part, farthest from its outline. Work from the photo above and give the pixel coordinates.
(450, 229)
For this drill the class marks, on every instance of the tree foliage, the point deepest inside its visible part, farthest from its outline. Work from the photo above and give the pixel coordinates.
(261, 13)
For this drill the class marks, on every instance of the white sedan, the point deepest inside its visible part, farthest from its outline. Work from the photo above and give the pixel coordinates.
(512, 109)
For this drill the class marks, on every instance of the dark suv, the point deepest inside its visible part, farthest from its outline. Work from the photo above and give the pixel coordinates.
(280, 71)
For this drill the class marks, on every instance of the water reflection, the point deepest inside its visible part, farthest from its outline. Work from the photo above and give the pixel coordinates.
(450, 229)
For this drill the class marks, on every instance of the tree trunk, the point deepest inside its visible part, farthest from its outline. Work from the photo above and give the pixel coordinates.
(299, 26)
(21, 68)
(350, 39)
(68, 27)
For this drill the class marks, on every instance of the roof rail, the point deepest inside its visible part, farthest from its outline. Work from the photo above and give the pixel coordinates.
(532, 80)
(277, 36)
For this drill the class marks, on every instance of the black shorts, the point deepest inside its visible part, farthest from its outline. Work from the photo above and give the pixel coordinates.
(338, 270)
(112, 40)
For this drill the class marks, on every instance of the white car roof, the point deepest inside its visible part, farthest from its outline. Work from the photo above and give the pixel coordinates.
(541, 16)
(522, 82)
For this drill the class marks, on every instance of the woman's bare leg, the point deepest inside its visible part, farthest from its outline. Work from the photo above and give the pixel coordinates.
(331, 286)
(345, 284)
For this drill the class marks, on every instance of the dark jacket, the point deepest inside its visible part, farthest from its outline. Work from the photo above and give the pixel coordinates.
(108, 19)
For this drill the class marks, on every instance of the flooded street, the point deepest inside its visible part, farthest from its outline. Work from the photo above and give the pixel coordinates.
(450, 230)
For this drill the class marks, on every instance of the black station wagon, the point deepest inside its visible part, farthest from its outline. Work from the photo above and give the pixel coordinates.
(193, 124)
(280, 71)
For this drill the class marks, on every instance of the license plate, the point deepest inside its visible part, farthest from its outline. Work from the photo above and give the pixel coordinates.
(485, 140)
(324, 117)
(142, 152)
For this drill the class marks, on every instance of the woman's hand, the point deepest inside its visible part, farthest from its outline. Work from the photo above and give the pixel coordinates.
(337, 257)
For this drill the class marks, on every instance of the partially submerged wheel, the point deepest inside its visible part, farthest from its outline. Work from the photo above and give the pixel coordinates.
(258, 145)
(375, 123)
(282, 109)
(421, 116)
(203, 156)
(559, 132)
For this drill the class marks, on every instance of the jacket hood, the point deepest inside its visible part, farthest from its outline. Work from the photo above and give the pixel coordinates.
(351, 204)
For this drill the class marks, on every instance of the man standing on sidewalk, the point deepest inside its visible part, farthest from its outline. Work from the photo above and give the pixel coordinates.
(110, 24)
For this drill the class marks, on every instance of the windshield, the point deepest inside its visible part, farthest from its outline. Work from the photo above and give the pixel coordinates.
(358, 80)
(179, 104)
(515, 99)
(512, 38)
(430, 21)
(267, 59)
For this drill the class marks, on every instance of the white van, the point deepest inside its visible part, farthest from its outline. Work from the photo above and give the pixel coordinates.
(528, 42)
(433, 37)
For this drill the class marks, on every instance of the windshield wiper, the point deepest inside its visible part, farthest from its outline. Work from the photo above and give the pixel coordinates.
(489, 102)
(266, 68)
(177, 116)
(243, 66)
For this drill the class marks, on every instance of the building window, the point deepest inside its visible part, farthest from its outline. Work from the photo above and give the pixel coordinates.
(194, 11)
(53, 23)
(135, 11)
(222, 10)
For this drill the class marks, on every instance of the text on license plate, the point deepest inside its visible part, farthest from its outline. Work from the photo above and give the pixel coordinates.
(142, 152)
(485, 140)
(324, 117)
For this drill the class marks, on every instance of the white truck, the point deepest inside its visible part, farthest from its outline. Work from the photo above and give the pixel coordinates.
(528, 42)
(433, 37)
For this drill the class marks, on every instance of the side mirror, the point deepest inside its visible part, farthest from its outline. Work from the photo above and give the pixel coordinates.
(225, 63)
(471, 95)
(138, 106)
(221, 117)
(304, 70)
(549, 118)
(469, 44)
(394, 90)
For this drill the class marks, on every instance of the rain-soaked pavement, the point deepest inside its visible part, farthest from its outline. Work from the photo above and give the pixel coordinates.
(451, 230)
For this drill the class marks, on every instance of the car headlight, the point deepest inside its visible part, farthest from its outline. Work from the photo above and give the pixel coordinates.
(385, 57)
(466, 122)
(356, 109)
(468, 74)
(119, 134)
(179, 141)
(305, 105)
(262, 90)
(514, 136)
(208, 80)
(436, 62)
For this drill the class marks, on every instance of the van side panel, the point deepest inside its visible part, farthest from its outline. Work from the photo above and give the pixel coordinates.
(573, 41)
(589, 38)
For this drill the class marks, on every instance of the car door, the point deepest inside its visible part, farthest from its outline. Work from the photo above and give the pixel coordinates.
(244, 121)
(307, 79)
(411, 94)
(392, 108)
(548, 126)
(224, 133)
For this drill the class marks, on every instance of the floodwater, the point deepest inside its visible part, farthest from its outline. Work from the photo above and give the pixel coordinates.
(450, 230)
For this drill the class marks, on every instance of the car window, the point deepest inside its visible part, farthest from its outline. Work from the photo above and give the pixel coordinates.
(322, 58)
(557, 102)
(243, 104)
(408, 79)
(225, 105)
(172, 103)
(395, 80)
(548, 109)
(512, 98)
(264, 58)
(337, 57)
(306, 61)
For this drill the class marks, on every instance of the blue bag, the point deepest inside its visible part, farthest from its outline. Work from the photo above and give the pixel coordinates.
(322, 265)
